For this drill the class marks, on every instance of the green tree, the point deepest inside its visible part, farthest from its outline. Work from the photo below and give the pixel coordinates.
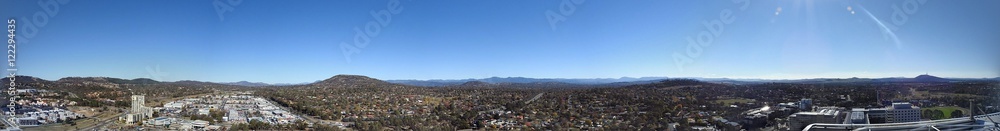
(240, 126)
(956, 114)
(927, 114)
(938, 114)
(300, 125)
(259, 125)
(322, 127)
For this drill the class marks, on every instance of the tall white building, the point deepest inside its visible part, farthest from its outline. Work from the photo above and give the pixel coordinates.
(138, 102)
(139, 110)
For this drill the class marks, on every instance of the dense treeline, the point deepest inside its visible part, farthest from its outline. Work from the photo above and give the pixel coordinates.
(369, 104)
(377, 105)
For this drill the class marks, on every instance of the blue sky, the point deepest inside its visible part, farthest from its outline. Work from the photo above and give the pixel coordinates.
(292, 42)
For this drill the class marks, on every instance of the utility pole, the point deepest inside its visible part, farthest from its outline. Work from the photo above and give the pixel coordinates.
(972, 115)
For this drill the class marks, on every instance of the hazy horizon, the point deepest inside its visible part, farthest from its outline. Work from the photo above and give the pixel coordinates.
(303, 41)
(681, 77)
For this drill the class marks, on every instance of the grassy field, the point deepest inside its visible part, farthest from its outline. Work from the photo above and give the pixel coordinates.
(731, 101)
(947, 110)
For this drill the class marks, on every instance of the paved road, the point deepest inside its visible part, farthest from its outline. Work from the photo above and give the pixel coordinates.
(101, 123)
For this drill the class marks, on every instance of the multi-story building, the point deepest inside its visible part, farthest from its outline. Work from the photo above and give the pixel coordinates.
(896, 113)
(975, 123)
(138, 102)
(857, 116)
(139, 110)
(806, 104)
(904, 112)
(878, 115)
(28, 121)
(800, 120)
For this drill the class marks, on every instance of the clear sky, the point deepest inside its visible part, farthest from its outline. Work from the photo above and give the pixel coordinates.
(300, 41)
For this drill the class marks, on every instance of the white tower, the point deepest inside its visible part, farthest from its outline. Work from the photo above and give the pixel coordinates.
(138, 102)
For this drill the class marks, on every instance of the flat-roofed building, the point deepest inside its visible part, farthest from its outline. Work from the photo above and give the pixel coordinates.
(896, 113)
(800, 120)
(857, 116)
(905, 112)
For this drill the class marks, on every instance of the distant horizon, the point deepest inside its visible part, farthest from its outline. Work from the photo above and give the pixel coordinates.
(294, 41)
(668, 77)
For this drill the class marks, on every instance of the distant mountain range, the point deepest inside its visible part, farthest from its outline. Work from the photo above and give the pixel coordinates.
(495, 80)
(645, 80)
(921, 78)
(107, 83)
(504, 81)
(624, 81)
(262, 84)
(246, 83)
